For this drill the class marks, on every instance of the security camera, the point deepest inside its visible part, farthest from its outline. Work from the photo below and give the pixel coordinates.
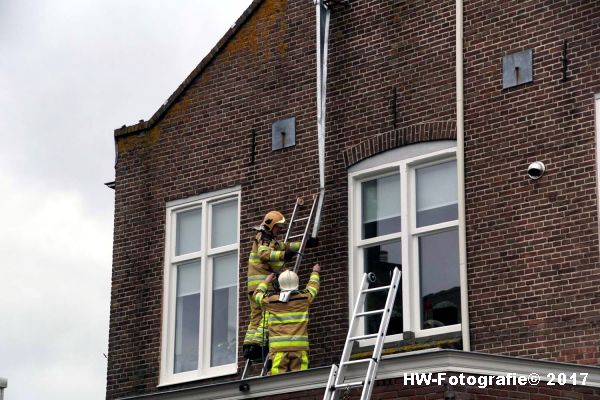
(536, 170)
(3, 383)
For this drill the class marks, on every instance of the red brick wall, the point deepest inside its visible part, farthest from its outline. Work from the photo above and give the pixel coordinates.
(532, 247)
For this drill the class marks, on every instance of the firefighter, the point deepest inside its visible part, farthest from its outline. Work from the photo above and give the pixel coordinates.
(288, 319)
(267, 256)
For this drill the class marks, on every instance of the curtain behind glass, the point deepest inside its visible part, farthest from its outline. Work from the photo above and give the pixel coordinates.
(437, 196)
(224, 223)
(189, 229)
(380, 206)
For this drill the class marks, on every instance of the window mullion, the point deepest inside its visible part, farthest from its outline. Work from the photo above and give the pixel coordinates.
(405, 229)
(415, 307)
(207, 336)
(204, 314)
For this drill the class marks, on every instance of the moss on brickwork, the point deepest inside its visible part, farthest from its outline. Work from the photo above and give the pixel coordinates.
(256, 36)
(143, 139)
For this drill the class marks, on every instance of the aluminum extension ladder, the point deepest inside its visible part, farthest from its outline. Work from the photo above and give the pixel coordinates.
(294, 220)
(337, 376)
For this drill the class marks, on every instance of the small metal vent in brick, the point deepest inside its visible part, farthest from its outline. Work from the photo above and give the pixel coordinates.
(284, 133)
(517, 68)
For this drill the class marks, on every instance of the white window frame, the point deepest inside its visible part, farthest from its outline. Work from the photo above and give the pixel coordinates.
(408, 235)
(205, 256)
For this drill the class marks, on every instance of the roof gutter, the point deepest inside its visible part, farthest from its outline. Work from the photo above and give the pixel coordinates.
(393, 366)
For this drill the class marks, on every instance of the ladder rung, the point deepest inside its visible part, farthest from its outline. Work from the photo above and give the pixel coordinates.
(362, 360)
(370, 336)
(349, 385)
(294, 236)
(362, 314)
(299, 219)
(377, 289)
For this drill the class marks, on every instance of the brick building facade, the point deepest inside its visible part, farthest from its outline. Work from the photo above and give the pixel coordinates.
(205, 160)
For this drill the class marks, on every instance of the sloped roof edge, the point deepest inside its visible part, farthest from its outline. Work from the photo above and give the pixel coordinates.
(143, 125)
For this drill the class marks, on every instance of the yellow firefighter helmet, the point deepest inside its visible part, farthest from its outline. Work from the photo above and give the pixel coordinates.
(273, 218)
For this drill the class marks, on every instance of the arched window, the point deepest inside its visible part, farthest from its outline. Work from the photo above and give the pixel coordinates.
(404, 213)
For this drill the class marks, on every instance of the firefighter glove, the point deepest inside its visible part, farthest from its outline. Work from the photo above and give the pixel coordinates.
(288, 255)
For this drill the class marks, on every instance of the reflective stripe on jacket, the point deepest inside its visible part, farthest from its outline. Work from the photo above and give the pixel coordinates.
(266, 257)
(288, 322)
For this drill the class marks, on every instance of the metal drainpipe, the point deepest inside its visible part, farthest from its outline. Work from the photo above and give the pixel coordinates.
(460, 160)
(323, 16)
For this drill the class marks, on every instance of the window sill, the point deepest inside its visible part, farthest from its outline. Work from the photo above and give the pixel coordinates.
(192, 376)
(407, 342)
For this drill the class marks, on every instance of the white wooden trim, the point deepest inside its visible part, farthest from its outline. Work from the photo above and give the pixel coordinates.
(391, 366)
(443, 226)
(408, 236)
(177, 204)
(363, 243)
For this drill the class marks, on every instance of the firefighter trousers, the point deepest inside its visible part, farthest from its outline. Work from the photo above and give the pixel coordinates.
(287, 361)
(257, 328)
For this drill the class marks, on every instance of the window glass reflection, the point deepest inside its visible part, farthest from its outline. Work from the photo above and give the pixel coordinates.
(440, 281)
(381, 260)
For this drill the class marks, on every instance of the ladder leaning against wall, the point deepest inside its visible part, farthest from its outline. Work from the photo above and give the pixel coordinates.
(337, 383)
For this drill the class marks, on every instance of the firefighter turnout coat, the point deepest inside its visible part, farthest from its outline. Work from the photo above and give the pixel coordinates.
(288, 322)
(265, 258)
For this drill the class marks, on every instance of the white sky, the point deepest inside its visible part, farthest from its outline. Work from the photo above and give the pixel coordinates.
(71, 71)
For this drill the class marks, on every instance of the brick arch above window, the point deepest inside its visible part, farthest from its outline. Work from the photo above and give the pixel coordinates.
(418, 133)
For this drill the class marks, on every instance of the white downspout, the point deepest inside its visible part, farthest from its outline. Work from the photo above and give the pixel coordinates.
(460, 160)
(323, 16)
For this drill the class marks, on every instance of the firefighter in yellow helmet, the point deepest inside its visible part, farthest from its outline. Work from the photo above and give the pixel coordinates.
(267, 256)
(288, 319)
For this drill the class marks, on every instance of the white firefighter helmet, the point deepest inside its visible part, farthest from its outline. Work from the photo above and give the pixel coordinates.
(288, 281)
(273, 218)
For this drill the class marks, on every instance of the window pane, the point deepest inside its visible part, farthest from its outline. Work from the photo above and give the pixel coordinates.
(224, 223)
(381, 260)
(436, 194)
(189, 228)
(440, 287)
(187, 317)
(381, 206)
(224, 310)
